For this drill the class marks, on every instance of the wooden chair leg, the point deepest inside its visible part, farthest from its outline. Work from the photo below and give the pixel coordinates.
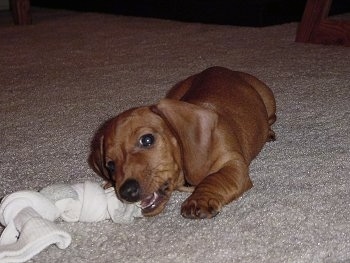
(21, 12)
(316, 27)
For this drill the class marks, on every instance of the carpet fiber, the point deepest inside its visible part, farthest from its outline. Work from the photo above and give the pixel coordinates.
(68, 72)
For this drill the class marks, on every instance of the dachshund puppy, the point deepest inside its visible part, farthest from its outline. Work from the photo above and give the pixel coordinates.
(204, 134)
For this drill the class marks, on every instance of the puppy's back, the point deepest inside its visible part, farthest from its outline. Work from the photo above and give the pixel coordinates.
(217, 84)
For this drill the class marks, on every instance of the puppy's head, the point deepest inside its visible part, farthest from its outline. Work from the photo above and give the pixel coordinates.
(139, 155)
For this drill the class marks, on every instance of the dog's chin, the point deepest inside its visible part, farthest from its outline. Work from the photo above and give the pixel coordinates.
(154, 203)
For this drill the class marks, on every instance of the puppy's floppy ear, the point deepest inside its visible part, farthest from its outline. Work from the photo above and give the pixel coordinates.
(193, 126)
(96, 157)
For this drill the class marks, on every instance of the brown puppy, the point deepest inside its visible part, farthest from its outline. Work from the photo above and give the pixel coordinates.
(204, 134)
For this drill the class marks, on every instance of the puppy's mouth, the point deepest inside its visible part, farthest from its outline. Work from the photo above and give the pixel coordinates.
(154, 203)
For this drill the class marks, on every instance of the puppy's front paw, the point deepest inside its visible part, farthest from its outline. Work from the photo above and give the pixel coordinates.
(200, 208)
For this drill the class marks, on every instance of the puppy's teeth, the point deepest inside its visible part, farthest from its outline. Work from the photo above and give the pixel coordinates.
(149, 201)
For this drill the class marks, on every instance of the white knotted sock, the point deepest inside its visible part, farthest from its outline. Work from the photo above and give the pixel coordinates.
(29, 216)
(28, 234)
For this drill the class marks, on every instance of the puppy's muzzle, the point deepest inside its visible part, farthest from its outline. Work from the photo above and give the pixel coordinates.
(150, 204)
(130, 191)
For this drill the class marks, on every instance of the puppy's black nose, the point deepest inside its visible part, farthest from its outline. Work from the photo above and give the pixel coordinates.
(130, 190)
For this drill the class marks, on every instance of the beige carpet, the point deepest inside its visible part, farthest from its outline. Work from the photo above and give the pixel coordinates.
(61, 77)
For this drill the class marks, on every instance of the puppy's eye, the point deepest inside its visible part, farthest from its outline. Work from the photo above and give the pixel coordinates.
(110, 165)
(146, 140)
